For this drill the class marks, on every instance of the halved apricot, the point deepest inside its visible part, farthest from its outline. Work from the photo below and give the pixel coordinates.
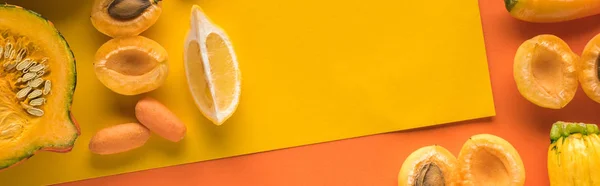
(588, 69)
(131, 65)
(545, 71)
(120, 18)
(430, 165)
(487, 159)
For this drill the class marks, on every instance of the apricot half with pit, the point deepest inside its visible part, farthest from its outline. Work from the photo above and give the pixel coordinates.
(120, 18)
(131, 65)
(545, 71)
(589, 69)
(430, 165)
(487, 159)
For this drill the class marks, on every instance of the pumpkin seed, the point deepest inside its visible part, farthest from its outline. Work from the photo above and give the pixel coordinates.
(23, 92)
(35, 111)
(13, 54)
(34, 94)
(27, 69)
(1, 51)
(9, 131)
(28, 76)
(37, 102)
(21, 54)
(35, 82)
(8, 50)
(8, 66)
(47, 87)
(37, 68)
(40, 73)
(24, 64)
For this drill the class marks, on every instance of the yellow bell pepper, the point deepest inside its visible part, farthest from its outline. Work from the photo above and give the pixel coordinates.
(548, 11)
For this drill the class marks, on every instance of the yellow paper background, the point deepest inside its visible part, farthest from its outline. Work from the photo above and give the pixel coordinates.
(313, 71)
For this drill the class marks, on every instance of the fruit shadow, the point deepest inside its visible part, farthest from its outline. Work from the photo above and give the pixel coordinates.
(565, 30)
(123, 106)
(113, 161)
(474, 121)
(54, 10)
(207, 131)
(580, 109)
(215, 135)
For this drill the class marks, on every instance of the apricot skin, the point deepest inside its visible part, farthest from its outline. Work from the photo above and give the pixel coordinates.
(588, 69)
(434, 154)
(487, 159)
(112, 27)
(132, 81)
(552, 61)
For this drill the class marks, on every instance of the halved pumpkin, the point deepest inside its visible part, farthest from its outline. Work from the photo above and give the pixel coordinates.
(487, 159)
(37, 83)
(545, 71)
(589, 69)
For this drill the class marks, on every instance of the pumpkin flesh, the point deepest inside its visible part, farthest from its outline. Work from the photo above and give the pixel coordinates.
(22, 134)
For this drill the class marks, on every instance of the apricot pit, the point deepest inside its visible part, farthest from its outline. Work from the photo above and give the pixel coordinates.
(545, 71)
(131, 65)
(430, 165)
(121, 18)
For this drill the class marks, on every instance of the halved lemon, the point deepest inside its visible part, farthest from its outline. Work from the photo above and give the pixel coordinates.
(211, 68)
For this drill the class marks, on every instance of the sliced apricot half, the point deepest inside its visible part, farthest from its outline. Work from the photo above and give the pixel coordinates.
(131, 65)
(589, 69)
(430, 165)
(487, 159)
(120, 18)
(545, 71)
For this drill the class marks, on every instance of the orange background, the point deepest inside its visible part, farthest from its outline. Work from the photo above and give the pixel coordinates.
(376, 160)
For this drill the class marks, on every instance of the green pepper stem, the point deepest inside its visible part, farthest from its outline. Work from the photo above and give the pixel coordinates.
(565, 129)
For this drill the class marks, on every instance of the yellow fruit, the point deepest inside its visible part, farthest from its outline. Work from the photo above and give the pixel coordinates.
(122, 18)
(211, 68)
(131, 65)
(159, 119)
(551, 11)
(572, 155)
(588, 69)
(594, 157)
(545, 71)
(119, 138)
(486, 159)
(430, 165)
(555, 175)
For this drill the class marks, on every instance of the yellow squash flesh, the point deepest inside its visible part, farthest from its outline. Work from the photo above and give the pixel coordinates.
(21, 134)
